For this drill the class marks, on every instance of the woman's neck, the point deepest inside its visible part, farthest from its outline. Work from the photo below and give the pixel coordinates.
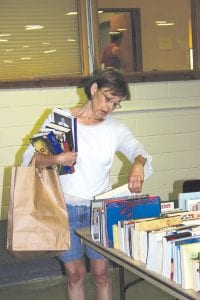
(85, 115)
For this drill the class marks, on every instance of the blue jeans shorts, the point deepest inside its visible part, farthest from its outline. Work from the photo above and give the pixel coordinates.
(79, 216)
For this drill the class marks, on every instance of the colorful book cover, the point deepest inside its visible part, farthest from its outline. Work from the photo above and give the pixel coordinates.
(58, 149)
(128, 208)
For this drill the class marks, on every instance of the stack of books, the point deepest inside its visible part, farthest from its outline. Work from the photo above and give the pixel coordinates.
(166, 241)
(57, 136)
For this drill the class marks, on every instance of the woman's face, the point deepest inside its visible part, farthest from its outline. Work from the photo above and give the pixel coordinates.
(103, 102)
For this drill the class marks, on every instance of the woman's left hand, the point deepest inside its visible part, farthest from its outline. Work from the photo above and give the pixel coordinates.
(136, 175)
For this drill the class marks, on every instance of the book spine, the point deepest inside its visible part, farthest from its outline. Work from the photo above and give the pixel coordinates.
(75, 135)
(57, 148)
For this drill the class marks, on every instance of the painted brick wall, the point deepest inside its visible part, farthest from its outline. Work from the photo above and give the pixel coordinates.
(164, 116)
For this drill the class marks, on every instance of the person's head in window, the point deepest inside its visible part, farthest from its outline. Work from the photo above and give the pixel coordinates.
(112, 54)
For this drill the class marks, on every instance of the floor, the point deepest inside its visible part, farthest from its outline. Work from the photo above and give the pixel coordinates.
(55, 288)
(43, 279)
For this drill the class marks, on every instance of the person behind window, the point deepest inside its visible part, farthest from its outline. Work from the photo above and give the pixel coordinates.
(100, 136)
(112, 54)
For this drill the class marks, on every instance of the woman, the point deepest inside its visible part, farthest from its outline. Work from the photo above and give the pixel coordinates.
(99, 137)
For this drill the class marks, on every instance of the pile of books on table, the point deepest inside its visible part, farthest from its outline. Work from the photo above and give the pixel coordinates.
(57, 136)
(165, 241)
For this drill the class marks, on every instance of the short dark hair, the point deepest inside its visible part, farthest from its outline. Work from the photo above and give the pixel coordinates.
(112, 79)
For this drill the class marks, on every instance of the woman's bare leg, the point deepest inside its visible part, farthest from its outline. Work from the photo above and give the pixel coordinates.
(102, 280)
(76, 271)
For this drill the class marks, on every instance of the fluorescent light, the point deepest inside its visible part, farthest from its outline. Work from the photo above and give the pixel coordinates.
(6, 34)
(100, 11)
(71, 40)
(7, 61)
(33, 27)
(121, 29)
(114, 32)
(45, 43)
(25, 46)
(166, 24)
(50, 51)
(25, 58)
(72, 13)
(9, 50)
(160, 22)
(3, 40)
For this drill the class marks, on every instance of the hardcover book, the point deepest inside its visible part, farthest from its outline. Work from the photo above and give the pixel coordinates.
(123, 208)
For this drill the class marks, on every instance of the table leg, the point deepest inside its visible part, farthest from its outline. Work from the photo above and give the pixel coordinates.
(121, 283)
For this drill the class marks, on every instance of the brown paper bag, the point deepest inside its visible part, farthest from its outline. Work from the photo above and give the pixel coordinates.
(37, 215)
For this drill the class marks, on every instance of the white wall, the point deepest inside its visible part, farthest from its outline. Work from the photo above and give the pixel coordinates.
(164, 116)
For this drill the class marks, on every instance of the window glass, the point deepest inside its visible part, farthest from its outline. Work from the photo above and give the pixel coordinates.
(157, 34)
(39, 38)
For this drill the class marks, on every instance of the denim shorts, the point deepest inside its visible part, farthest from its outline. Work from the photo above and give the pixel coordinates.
(79, 216)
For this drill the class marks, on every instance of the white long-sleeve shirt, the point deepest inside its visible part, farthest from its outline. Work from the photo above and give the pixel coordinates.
(97, 145)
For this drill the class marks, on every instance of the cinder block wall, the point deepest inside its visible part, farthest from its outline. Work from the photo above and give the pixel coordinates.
(164, 116)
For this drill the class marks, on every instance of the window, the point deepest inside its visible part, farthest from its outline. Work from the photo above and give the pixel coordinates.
(42, 40)
(159, 37)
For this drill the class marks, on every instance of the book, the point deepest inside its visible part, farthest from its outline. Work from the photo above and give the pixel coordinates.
(49, 143)
(185, 215)
(192, 204)
(168, 261)
(42, 144)
(121, 191)
(127, 209)
(155, 246)
(56, 145)
(67, 135)
(196, 273)
(128, 225)
(124, 208)
(167, 206)
(179, 264)
(182, 197)
(187, 253)
(57, 136)
(158, 223)
(115, 237)
(65, 119)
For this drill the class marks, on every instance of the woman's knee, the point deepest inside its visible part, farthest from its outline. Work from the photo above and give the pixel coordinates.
(100, 273)
(75, 273)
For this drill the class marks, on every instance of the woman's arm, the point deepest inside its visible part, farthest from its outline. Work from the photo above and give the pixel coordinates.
(64, 159)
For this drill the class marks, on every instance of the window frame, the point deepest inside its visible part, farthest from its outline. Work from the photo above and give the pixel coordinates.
(75, 80)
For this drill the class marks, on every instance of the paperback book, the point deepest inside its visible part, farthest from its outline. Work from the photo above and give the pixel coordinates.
(57, 137)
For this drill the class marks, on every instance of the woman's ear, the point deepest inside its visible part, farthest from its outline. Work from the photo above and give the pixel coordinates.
(93, 89)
